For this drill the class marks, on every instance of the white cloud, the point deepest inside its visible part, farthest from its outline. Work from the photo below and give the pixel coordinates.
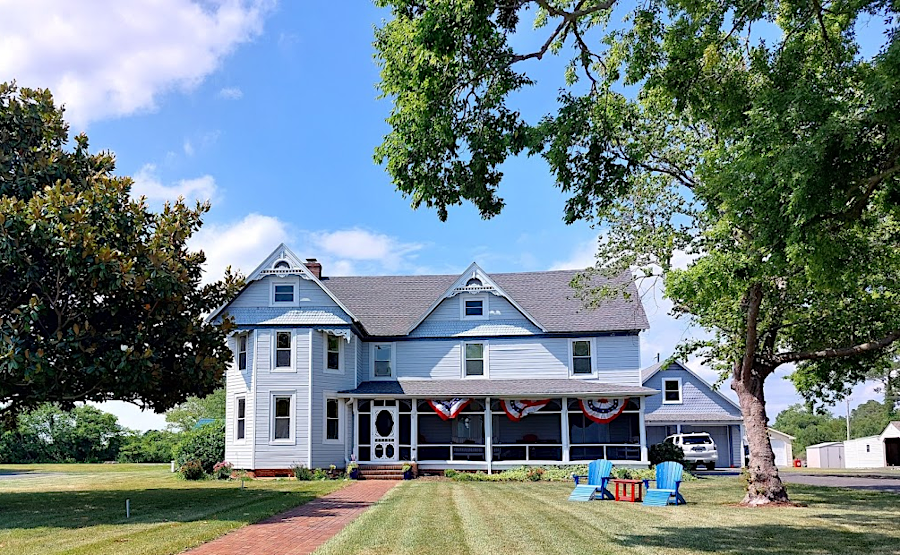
(231, 93)
(241, 245)
(581, 256)
(148, 184)
(361, 245)
(109, 59)
(188, 147)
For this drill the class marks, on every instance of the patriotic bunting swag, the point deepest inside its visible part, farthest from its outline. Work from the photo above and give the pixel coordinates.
(448, 409)
(603, 410)
(516, 409)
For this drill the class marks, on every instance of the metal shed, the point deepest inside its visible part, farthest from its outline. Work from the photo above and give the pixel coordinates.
(825, 455)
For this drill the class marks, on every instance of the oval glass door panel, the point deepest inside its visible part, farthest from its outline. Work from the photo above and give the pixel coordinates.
(389, 451)
(384, 423)
(379, 451)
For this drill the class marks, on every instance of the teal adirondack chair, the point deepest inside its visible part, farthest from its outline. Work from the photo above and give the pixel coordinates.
(668, 480)
(596, 481)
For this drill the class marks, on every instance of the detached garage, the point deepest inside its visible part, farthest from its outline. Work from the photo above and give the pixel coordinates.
(782, 446)
(874, 451)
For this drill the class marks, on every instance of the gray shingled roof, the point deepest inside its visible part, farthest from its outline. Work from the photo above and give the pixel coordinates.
(683, 417)
(389, 305)
(269, 316)
(503, 388)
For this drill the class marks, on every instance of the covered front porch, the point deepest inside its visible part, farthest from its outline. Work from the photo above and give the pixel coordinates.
(495, 432)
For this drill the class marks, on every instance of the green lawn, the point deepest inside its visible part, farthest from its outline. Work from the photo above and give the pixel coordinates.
(444, 517)
(80, 509)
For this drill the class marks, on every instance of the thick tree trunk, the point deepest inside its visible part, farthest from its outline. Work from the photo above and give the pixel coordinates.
(765, 485)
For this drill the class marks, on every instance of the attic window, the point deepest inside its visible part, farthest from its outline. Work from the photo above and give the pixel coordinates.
(282, 265)
(473, 307)
(474, 282)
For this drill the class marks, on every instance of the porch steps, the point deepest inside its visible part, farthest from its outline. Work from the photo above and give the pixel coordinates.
(381, 472)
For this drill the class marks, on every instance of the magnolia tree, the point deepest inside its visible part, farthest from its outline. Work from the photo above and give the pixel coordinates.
(754, 136)
(100, 298)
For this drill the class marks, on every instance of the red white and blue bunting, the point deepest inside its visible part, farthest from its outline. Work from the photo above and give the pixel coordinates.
(516, 409)
(603, 410)
(449, 408)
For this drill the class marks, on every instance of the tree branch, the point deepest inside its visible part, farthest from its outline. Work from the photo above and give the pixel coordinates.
(822, 354)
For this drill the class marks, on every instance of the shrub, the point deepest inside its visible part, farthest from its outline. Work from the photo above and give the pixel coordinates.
(662, 452)
(450, 473)
(222, 470)
(302, 473)
(191, 470)
(319, 474)
(535, 474)
(154, 446)
(205, 444)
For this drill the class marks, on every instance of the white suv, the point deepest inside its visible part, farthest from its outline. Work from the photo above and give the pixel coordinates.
(698, 448)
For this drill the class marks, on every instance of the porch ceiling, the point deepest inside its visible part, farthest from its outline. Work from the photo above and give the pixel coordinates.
(495, 388)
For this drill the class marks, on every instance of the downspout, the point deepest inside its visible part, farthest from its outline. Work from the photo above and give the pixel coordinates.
(309, 425)
(253, 380)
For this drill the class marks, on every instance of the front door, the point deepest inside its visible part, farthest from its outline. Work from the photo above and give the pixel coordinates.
(384, 434)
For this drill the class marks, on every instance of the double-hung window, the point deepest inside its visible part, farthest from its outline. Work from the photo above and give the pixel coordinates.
(473, 307)
(581, 357)
(242, 352)
(283, 293)
(240, 421)
(474, 363)
(382, 360)
(283, 359)
(332, 420)
(281, 417)
(332, 353)
(672, 391)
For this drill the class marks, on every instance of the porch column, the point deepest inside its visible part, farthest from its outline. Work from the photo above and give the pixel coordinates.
(643, 431)
(488, 434)
(356, 430)
(414, 430)
(564, 422)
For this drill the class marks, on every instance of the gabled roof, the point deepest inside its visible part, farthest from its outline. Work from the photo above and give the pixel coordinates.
(782, 434)
(390, 305)
(651, 371)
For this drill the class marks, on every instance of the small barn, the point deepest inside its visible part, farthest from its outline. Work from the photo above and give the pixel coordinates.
(874, 451)
(825, 455)
(782, 446)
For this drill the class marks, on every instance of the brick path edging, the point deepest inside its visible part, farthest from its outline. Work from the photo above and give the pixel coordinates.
(299, 531)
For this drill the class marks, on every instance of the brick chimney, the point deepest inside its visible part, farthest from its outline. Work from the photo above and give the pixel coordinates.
(313, 266)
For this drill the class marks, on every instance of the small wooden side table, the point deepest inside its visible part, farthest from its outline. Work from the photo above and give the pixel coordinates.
(629, 490)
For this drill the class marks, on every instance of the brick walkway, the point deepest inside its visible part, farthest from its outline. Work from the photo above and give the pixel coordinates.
(302, 529)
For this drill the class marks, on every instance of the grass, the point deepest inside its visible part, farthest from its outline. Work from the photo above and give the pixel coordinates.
(440, 517)
(80, 509)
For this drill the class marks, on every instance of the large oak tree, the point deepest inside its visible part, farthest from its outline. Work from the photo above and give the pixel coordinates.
(100, 297)
(753, 135)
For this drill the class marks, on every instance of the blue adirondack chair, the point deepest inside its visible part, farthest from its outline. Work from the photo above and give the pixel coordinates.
(594, 486)
(668, 480)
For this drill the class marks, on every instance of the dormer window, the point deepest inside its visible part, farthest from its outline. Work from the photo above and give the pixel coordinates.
(282, 265)
(473, 307)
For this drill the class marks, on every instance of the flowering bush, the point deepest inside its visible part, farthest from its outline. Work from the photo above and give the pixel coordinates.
(222, 470)
(191, 470)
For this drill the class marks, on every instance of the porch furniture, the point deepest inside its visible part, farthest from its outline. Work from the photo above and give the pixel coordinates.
(597, 478)
(668, 480)
(629, 490)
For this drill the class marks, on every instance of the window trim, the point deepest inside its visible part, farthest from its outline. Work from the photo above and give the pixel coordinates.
(485, 357)
(485, 306)
(331, 396)
(680, 400)
(393, 375)
(293, 366)
(593, 347)
(292, 395)
(237, 418)
(246, 352)
(293, 283)
(340, 340)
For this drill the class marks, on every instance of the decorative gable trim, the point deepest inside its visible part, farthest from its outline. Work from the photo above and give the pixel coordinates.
(293, 267)
(461, 286)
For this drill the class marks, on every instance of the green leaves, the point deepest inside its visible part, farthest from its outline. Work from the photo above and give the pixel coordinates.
(81, 262)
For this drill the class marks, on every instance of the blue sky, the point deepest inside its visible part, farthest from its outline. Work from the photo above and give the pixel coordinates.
(271, 111)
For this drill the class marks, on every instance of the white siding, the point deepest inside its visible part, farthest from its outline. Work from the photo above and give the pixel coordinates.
(258, 294)
(529, 358)
(865, 452)
(325, 454)
(427, 359)
(282, 456)
(617, 359)
(498, 309)
(237, 383)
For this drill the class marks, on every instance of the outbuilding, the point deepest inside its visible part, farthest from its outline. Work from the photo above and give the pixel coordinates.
(825, 455)
(875, 451)
(782, 446)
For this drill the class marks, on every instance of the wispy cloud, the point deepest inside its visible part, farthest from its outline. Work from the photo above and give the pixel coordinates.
(107, 60)
(230, 93)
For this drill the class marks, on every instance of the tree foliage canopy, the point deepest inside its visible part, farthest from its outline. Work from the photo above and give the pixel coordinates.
(100, 298)
(185, 416)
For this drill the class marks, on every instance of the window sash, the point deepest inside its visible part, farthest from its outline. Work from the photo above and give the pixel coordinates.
(242, 352)
(474, 359)
(241, 418)
(582, 361)
(382, 361)
(282, 418)
(283, 349)
(672, 391)
(332, 419)
(284, 294)
(474, 308)
(333, 353)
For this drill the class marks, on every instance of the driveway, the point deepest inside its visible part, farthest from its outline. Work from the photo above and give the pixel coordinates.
(891, 485)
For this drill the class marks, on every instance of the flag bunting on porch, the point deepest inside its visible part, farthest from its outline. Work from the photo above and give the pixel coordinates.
(449, 408)
(516, 409)
(603, 410)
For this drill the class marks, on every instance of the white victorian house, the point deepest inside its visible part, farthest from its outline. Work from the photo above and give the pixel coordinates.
(470, 371)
